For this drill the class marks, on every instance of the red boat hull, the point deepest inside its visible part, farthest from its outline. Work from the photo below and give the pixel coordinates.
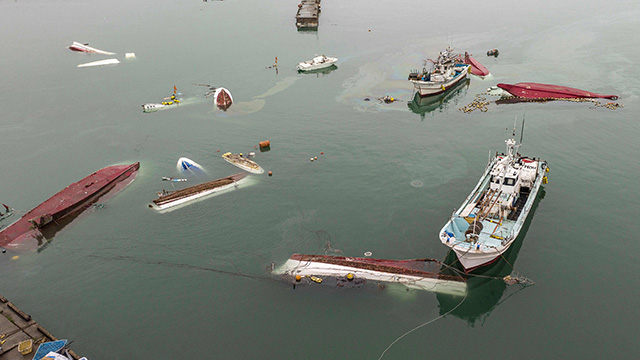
(223, 100)
(476, 68)
(547, 91)
(68, 202)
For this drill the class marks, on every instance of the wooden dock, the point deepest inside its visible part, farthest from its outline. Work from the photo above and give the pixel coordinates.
(16, 326)
(307, 15)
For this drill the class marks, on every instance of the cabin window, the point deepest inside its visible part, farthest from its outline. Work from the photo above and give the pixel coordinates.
(509, 181)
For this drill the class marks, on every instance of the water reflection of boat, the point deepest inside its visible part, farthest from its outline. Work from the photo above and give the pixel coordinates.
(486, 292)
(422, 105)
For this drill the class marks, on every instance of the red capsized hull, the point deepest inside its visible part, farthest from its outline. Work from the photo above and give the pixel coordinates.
(26, 232)
(547, 91)
(476, 68)
(223, 100)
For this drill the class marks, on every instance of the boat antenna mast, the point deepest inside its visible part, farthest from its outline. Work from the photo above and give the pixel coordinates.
(522, 130)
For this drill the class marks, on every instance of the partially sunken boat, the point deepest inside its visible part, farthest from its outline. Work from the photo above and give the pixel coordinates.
(167, 199)
(445, 73)
(222, 98)
(421, 274)
(100, 63)
(317, 63)
(490, 219)
(67, 203)
(76, 46)
(243, 163)
(476, 68)
(549, 92)
(168, 102)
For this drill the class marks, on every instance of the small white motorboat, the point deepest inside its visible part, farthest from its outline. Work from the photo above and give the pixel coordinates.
(76, 46)
(317, 63)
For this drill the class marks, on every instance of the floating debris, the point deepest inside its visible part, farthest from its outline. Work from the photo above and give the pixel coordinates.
(493, 52)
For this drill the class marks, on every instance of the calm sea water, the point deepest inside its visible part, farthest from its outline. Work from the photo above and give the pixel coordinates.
(125, 282)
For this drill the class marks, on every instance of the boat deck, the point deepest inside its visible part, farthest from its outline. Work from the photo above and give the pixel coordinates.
(16, 326)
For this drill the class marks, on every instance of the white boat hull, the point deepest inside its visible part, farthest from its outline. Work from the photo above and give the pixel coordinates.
(100, 63)
(198, 196)
(429, 88)
(76, 46)
(303, 268)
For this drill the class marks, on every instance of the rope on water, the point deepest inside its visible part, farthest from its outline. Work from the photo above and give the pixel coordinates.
(422, 325)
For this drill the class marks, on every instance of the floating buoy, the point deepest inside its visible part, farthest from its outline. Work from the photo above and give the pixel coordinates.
(270, 173)
(129, 55)
(315, 158)
(311, 159)
(298, 277)
(15, 257)
(368, 253)
(350, 276)
(264, 144)
(218, 151)
(321, 153)
(316, 279)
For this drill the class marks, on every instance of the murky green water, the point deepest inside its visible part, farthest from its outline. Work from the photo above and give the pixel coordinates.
(126, 282)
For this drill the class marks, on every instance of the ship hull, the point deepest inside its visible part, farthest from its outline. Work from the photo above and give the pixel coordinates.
(547, 91)
(67, 203)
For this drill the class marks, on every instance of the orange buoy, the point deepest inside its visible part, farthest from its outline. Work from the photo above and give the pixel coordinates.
(315, 158)
(298, 277)
(264, 144)
(270, 173)
(321, 153)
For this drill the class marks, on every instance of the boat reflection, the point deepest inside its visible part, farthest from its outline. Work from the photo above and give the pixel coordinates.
(323, 71)
(486, 290)
(423, 105)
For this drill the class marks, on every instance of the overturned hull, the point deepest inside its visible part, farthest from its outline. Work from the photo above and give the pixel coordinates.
(421, 274)
(170, 199)
(548, 91)
(476, 68)
(27, 232)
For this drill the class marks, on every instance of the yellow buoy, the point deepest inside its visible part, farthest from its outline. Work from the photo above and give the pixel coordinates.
(298, 277)
(15, 257)
(350, 276)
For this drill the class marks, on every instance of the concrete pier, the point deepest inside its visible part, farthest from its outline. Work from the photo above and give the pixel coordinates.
(17, 326)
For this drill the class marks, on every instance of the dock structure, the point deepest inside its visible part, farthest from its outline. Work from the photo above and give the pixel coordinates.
(307, 16)
(16, 327)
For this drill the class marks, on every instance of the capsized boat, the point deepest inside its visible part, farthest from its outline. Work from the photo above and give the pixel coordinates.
(476, 68)
(67, 203)
(221, 96)
(185, 165)
(446, 71)
(168, 102)
(243, 163)
(491, 217)
(421, 274)
(167, 199)
(76, 46)
(318, 62)
(546, 91)
(100, 63)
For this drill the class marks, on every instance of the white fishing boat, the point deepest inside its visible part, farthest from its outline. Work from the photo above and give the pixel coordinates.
(491, 217)
(76, 46)
(443, 74)
(168, 199)
(317, 63)
(420, 274)
(100, 63)
(243, 163)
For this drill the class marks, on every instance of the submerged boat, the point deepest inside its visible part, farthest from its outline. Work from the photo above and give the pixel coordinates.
(76, 46)
(307, 15)
(186, 164)
(476, 68)
(421, 274)
(100, 63)
(68, 202)
(167, 199)
(546, 91)
(491, 217)
(317, 63)
(445, 73)
(221, 96)
(168, 102)
(243, 163)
